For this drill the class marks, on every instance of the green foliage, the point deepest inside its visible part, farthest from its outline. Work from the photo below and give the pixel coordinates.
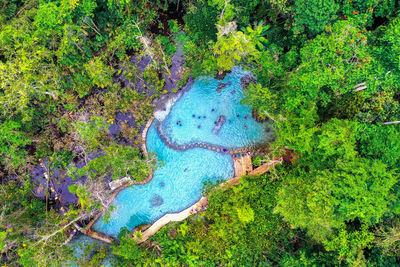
(257, 35)
(26, 76)
(226, 8)
(336, 204)
(331, 66)
(169, 47)
(247, 12)
(12, 143)
(174, 27)
(113, 160)
(127, 248)
(346, 177)
(261, 99)
(387, 237)
(332, 186)
(313, 16)
(24, 216)
(332, 62)
(3, 235)
(119, 161)
(99, 73)
(94, 255)
(350, 245)
(245, 213)
(92, 133)
(235, 218)
(381, 141)
(390, 45)
(230, 50)
(330, 198)
(365, 11)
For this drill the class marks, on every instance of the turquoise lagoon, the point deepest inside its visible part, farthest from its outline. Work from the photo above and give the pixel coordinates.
(179, 181)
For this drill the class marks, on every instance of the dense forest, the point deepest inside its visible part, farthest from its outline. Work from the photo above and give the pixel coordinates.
(327, 75)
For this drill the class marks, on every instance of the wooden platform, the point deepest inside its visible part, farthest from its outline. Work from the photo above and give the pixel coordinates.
(173, 217)
(242, 165)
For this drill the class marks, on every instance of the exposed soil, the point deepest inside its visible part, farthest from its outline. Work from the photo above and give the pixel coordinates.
(289, 157)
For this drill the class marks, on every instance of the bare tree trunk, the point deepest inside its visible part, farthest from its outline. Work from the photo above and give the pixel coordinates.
(391, 122)
(47, 176)
(360, 86)
(45, 238)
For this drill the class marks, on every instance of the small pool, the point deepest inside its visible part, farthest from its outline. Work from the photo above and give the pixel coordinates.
(178, 183)
(193, 117)
(175, 185)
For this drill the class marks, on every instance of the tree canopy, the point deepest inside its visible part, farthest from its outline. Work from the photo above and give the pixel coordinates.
(77, 84)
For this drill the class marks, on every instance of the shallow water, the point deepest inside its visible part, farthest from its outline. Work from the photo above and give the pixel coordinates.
(178, 183)
(175, 185)
(201, 106)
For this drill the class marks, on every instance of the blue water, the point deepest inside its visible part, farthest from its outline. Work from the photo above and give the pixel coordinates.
(182, 176)
(178, 183)
(201, 106)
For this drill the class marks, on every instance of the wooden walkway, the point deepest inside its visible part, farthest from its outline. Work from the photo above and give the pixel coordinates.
(173, 217)
(242, 165)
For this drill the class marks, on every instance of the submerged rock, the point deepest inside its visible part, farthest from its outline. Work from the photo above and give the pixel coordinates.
(156, 201)
(221, 74)
(219, 123)
(222, 86)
